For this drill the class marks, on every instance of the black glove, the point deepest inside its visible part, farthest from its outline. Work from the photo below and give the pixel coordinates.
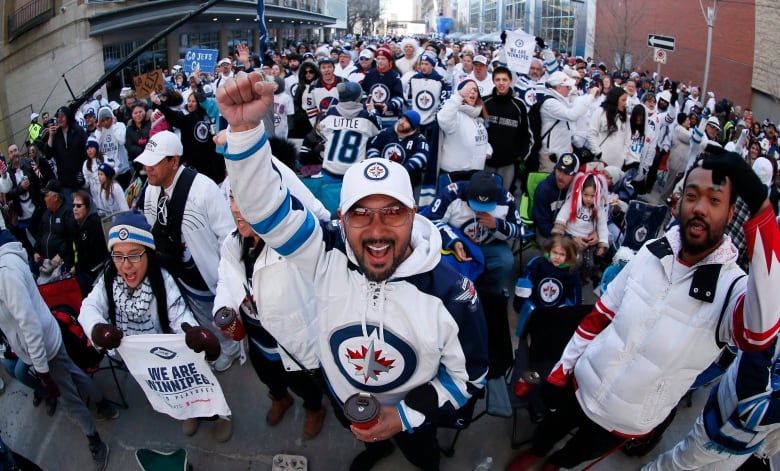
(540, 43)
(200, 339)
(675, 85)
(554, 396)
(52, 390)
(743, 179)
(106, 336)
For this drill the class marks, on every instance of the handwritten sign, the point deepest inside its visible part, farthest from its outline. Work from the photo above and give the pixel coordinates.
(176, 380)
(519, 51)
(203, 59)
(148, 83)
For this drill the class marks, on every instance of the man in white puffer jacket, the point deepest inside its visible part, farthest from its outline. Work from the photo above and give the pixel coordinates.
(664, 319)
(394, 321)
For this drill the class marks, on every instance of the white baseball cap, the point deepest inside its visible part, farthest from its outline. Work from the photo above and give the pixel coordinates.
(161, 145)
(33, 116)
(376, 176)
(560, 78)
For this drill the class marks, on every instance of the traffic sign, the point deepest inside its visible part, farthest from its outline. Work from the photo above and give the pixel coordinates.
(659, 55)
(662, 42)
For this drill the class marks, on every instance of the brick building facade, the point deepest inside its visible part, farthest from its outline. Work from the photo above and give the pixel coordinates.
(621, 24)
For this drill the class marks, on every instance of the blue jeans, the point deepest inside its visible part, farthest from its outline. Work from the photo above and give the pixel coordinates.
(24, 373)
(499, 262)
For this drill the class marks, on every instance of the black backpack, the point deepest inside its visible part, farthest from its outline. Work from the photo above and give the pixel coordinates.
(535, 123)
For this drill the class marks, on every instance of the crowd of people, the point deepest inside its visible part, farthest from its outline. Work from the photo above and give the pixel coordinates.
(385, 178)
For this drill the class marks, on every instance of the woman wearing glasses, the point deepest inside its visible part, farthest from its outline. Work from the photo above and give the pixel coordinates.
(135, 295)
(91, 252)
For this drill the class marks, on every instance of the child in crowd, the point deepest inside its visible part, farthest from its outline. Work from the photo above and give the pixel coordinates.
(583, 217)
(551, 280)
(111, 198)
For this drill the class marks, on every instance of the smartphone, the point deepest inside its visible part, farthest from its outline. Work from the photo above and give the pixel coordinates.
(52, 121)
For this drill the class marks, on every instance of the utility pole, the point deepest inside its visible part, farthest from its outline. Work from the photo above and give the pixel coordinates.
(709, 18)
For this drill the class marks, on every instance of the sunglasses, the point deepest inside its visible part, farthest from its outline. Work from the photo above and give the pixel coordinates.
(78, 205)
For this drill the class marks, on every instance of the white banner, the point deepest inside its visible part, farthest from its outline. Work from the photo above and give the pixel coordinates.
(176, 380)
(520, 48)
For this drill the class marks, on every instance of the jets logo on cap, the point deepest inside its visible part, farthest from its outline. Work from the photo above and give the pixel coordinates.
(376, 171)
(483, 199)
(567, 160)
(123, 233)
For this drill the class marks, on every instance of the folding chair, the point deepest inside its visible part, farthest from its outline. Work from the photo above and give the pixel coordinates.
(548, 332)
(643, 222)
(460, 420)
(65, 295)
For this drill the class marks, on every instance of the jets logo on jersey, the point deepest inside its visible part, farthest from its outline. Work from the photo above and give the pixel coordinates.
(376, 171)
(201, 131)
(368, 363)
(424, 100)
(476, 231)
(530, 97)
(277, 120)
(380, 93)
(327, 102)
(393, 152)
(550, 290)
(293, 89)
(468, 292)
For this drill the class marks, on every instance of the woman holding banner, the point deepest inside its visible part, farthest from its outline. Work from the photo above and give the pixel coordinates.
(135, 295)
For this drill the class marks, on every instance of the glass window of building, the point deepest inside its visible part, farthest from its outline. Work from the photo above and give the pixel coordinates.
(153, 58)
(558, 24)
(514, 14)
(197, 40)
(489, 20)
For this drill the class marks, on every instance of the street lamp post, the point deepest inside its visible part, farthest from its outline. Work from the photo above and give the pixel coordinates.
(709, 17)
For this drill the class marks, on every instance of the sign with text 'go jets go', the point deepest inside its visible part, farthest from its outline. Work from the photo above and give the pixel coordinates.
(661, 42)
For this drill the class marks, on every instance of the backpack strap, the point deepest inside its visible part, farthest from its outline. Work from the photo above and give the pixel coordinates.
(723, 310)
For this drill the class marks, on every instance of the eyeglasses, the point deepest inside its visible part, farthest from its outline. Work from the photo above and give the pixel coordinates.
(78, 205)
(393, 216)
(132, 258)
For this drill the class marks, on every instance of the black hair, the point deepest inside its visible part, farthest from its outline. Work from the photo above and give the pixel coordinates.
(610, 107)
(638, 120)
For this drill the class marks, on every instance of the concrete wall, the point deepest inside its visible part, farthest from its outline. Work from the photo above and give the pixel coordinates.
(731, 65)
(32, 66)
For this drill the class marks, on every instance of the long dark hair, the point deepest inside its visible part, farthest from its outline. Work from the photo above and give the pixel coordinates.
(610, 107)
(638, 120)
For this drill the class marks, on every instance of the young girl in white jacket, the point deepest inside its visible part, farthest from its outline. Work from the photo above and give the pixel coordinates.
(111, 198)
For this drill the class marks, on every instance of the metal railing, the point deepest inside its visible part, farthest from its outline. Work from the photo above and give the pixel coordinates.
(34, 13)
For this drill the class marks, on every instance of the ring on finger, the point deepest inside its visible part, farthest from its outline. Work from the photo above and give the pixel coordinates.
(375, 439)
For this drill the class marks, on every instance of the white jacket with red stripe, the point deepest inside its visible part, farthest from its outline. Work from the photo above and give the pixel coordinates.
(654, 329)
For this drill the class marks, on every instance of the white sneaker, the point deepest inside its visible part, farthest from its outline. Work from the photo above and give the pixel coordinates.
(224, 362)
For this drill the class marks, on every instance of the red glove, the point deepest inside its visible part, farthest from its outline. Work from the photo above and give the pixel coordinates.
(106, 336)
(200, 339)
(142, 142)
(52, 390)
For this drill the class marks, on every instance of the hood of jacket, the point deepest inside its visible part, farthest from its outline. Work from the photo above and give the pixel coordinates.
(9, 245)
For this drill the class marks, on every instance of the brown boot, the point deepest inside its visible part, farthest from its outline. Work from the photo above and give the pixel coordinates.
(313, 423)
(224, 430)
(278, 408)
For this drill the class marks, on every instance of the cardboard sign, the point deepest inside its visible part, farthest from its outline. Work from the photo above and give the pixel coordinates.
(177, 381)
(148, 83)
(519, 51)
(203, 59)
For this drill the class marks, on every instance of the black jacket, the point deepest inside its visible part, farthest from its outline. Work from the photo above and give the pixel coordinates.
(508, 129)
(200, 152)
(55, 235)
(69, 154)
(134, 134)
(91, 249)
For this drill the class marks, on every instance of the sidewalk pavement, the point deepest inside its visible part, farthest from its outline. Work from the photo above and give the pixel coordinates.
(56, 444)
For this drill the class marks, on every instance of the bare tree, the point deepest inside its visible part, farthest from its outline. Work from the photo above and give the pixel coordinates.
(363, 15)
(616, 38)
